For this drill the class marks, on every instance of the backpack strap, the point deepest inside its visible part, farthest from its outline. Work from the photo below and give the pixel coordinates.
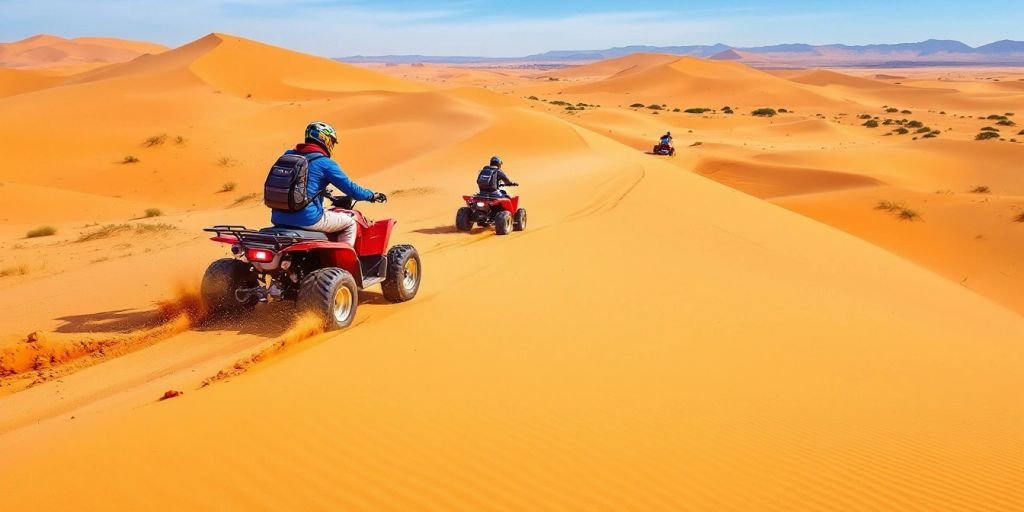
(310, 157)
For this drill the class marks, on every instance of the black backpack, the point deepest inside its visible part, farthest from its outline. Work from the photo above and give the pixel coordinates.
(487, 180)
(286, 185)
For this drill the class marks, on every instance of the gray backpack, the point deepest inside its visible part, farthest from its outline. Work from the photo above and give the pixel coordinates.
(286, 186)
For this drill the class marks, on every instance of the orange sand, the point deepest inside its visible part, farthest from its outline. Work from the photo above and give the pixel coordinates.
(654, 341)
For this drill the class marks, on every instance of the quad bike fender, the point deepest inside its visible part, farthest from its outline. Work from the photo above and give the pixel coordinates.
(509, 204)
(332, 254)
(225, 239)
(374, 238)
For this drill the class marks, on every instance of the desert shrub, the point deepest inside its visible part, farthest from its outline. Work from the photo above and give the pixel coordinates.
(887, 122)
(892, 110)
(906, 112)
(573, 107)
(981, 189)
(226, 161)
(871, 123)
(995, 117)
(655, 107)
(932, 135)
(1006, 122)
(110, 230)
(534, 98)
(17, 270)
(923, 129)
(908, 214)
(901, 131)
(727, 110)
(697, 110)
(155, 140)
(228, 187)
(1019, 217)
(764, 112)
(986, 136)
(561, 103)
(142, 229)
(915, 124)
(637, 105)
(247, 197)
(153, 212)
(130, 160)
(887, 205)
(179, 140)
(783, 111)
(864, 116)
(676, 110)
(41, 231)
(1020, 132)
(989, 129)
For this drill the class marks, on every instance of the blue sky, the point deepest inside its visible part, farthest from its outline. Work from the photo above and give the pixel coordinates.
(496, 28)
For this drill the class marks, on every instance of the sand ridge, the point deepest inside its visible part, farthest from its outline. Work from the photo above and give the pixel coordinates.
(44, 51)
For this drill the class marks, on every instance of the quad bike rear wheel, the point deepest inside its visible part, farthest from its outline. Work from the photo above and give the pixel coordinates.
(464, 219)
(519, 220)
(503, 223)
(332, 295)
(404, 274)
(220, 281)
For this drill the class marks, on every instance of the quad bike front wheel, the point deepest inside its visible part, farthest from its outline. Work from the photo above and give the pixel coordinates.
(404, 274)
(519, 220)
(464, 219)
(503, 223)
(332, 295)
(222, 278)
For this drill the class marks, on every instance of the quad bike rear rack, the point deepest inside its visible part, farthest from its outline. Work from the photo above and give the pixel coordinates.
(250, 238)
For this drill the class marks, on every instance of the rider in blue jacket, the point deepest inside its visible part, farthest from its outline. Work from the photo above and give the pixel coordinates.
(320, 141)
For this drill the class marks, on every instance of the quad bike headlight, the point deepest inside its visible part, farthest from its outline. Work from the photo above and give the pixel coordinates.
(480, 205)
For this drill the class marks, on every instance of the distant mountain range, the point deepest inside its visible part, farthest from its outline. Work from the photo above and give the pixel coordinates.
(930, 52)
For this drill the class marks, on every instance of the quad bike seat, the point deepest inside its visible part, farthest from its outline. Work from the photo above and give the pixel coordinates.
(295, 232)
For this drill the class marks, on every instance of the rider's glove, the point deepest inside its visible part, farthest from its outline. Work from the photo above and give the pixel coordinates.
(379, 198)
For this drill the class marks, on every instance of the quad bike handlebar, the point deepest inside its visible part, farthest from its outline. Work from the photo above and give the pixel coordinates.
(349, 202)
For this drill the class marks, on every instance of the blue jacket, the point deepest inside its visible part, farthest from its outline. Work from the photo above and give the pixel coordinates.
(322, 171)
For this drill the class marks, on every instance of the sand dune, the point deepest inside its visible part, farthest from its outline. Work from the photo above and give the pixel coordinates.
(697, 81)
(752, 358)
(17, 81)
(48, 51)
(609, 67)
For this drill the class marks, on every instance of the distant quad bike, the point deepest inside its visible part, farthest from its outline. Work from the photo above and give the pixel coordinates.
(322, 275)
(664, 149)
(503, 213)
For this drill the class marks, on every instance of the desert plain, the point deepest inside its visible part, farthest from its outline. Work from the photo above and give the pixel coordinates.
(816, 307)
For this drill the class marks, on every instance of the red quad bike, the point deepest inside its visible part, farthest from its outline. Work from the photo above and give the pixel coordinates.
(503, 213)
(322, 275)
(664, 149)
